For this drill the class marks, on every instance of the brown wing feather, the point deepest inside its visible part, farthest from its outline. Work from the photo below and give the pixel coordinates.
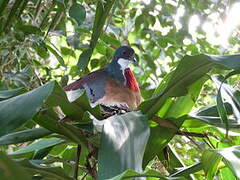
(78, 84)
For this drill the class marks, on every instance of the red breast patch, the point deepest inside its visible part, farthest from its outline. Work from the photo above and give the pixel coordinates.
(131, 80)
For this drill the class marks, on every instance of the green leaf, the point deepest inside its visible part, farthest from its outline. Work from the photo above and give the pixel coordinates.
(210, 161)
(55, 53)
(186, 171)
(174, 163)
(170, 112)
(78, 13)
(29, 29)
(110, 40)
(48, 172)
(130, 174)
(159, 138)
(214, 115)
(230, 156)
(226, 174)
(84, 58)
(77, 106)
(41, 49)
(189, 70)
(50, 120)
(102, 12)
(40, 144)
(222, 110)
(123, 141)
(9, 93)
(10, 170)
(23, 136)
(16, 111)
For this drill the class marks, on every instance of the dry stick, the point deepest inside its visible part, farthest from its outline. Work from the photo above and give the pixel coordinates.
(77, 161)
(210, 141)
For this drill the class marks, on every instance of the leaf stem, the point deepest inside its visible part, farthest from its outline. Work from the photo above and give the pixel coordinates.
(77, 161)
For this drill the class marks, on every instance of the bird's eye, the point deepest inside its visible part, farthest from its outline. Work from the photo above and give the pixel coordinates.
(124, 52)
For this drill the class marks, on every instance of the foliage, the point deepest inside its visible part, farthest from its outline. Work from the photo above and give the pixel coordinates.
(188, 125)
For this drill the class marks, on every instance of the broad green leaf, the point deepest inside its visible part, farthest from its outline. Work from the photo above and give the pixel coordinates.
(189, 70)
(210, 161)
(159, 138)
(23, 136)
(226, 174)
(77, 12)
(48, 172)
(230, 156)
(15, 111)
(49, 119)
(9, 93)
(123, 141)
(73, 104)
(9, 170)
(40, 144)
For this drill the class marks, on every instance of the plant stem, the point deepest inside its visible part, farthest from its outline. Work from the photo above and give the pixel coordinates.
(77, 161)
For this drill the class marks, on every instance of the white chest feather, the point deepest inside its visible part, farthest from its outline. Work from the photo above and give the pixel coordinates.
(124, 63)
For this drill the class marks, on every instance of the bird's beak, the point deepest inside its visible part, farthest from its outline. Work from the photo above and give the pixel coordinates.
(133, 60)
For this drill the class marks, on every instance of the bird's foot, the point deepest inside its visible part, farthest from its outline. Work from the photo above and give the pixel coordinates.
(113, 110)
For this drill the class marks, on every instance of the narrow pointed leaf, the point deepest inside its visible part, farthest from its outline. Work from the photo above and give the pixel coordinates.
(9, 93)
(15, 111)
(57, 55)
(48, 172)
(23, 136)
(189, 70)
(40, 144)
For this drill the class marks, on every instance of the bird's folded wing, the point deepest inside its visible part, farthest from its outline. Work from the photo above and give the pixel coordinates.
(91, 77)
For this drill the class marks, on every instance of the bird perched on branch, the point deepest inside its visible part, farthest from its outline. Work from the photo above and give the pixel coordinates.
(114, 87)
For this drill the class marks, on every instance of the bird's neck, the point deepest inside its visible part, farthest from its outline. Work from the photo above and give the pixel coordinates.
(116, 71)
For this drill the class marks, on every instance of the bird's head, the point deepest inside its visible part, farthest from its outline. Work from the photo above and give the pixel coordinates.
(124, 55)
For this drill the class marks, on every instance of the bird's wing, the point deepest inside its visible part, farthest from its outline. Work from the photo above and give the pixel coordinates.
(89, 78)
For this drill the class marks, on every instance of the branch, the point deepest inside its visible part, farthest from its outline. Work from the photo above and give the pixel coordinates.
(171, 126)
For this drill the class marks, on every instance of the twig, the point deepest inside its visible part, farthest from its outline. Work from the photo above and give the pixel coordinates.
(192, 134)
(165, 123)
(77, 161)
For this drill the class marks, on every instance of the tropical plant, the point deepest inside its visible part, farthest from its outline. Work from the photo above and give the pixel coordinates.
(186, 128)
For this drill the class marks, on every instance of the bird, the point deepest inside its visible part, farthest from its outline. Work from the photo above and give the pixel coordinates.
(114, 87)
